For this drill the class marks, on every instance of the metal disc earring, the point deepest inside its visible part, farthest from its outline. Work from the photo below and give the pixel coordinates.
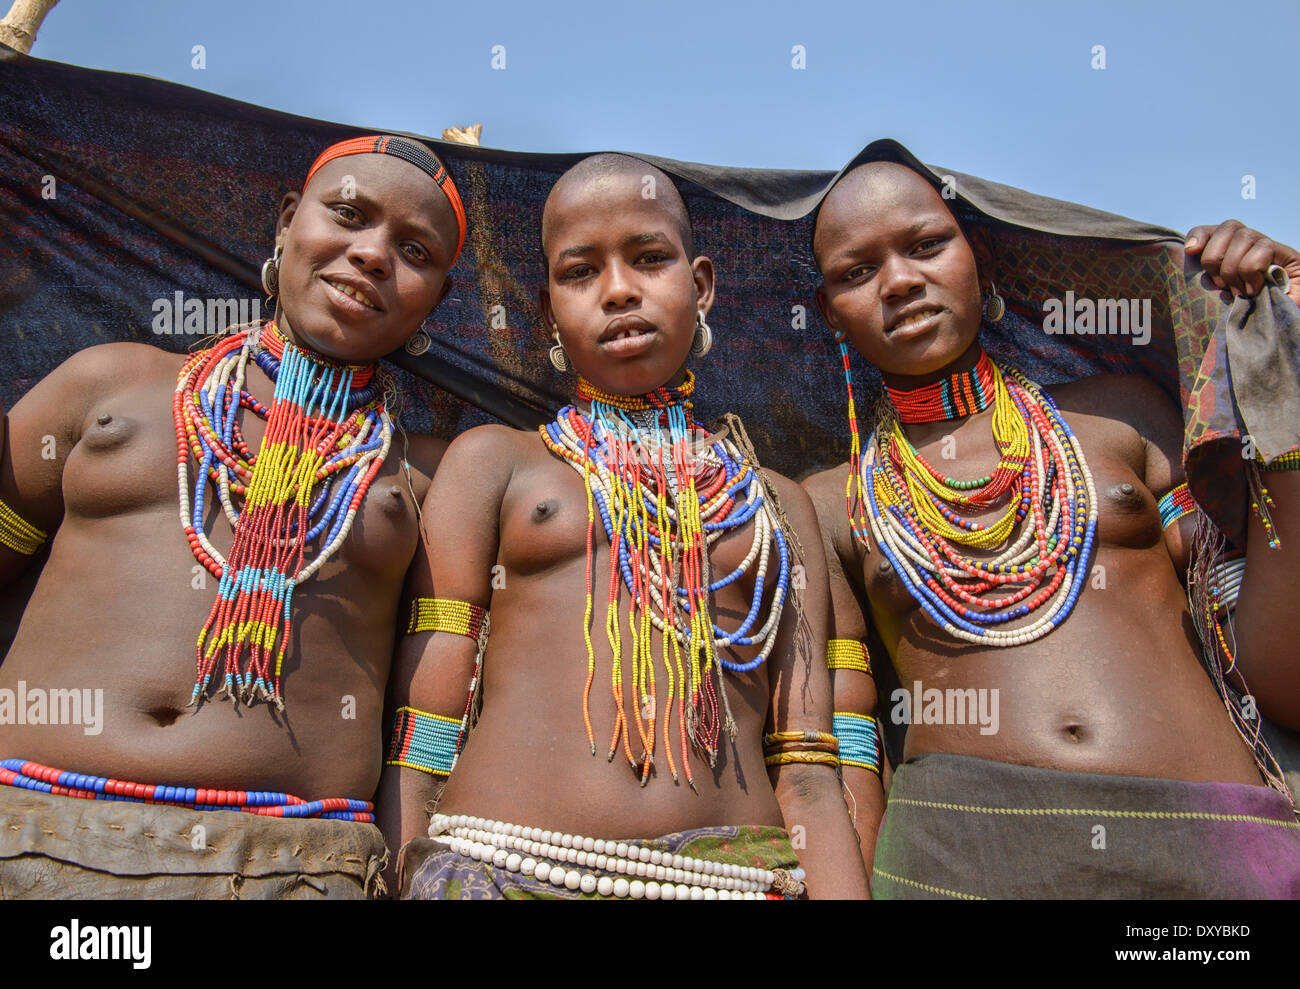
(994, 307)
(559, 359)
(418, 343)
(271, 273)
(702, 342)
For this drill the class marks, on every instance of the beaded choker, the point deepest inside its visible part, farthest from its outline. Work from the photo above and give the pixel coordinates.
(327, 434)
(662, 505)
(659, 399)
(961, 394)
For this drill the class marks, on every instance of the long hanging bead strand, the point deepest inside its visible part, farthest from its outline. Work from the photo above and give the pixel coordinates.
(326, 429)
(660, 516)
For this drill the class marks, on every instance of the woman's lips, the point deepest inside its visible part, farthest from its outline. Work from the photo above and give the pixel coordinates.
(628, 337)
(346, 302)
(915, 325)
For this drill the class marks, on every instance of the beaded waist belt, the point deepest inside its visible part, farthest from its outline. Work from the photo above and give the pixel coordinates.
(43, 779)
(615, 868)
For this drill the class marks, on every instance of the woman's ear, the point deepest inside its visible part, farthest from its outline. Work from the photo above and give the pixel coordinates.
(702, 273)
(288, 207)
(981, 245)
(548, 316)
(446, 289)
(828, 317)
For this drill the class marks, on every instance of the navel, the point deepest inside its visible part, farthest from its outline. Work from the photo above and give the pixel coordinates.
(165, 716)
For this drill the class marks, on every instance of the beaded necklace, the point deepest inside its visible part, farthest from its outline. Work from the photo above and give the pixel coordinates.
(659, 532)
(326, 421)
(913, 511)
(962, 393)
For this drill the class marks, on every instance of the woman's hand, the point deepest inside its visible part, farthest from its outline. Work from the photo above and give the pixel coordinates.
(1236, 257)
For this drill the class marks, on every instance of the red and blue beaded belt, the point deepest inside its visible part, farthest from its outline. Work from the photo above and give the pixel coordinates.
(43, 779)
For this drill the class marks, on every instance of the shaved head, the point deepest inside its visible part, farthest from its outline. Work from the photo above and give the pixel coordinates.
(880, 183)
(610, 172)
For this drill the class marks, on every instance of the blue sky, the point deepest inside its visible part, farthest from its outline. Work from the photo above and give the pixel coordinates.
(1194, 96)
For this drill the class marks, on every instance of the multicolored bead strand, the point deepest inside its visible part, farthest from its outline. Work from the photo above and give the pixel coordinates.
(326, 421)
(962, 393)
(1175, 504)
(662, 505)
(915, 524)
(43, 779)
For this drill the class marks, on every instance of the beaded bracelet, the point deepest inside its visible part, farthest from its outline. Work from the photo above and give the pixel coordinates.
(787, 758)
(1288, 461)
(848, 654)
(858, 740)
(423, 741)
(446, 615)
(1175, 504)
(17, 533)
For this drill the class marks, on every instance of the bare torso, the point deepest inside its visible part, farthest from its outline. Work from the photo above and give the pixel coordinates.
(120, 603)
(1118, 688)
(528, 761)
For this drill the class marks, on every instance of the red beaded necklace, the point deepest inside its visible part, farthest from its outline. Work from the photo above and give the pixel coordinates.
(960, 394)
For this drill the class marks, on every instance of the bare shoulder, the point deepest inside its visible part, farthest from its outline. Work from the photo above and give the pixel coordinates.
(1132, 399)
(794, 499)
(425, 452)
(109, 364)
(826, 483)
(826, 490)
(483, 459)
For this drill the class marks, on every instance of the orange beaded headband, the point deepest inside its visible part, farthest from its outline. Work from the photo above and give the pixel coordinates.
(417, 154)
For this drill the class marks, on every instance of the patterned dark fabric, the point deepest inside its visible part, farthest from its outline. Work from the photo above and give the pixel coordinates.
(159, 189)
(957, 827)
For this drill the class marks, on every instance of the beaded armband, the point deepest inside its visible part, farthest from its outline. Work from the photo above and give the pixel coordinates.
(445, 615)
(17, 533)
(1175, 504)
(858, 745)
(848, 654)
(424, 741)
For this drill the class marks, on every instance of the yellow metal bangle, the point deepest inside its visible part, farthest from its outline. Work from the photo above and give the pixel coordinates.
(787, 758)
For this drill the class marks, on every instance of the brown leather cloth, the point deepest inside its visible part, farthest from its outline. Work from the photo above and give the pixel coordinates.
(71, 848)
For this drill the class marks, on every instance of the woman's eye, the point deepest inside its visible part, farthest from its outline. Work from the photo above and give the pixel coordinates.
(652, 257)
(929, 244)
(576, 272)
(416, 252)
(346, 212)
(856, 272)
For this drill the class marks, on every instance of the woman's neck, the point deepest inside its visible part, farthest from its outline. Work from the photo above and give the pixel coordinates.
(965, 361)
